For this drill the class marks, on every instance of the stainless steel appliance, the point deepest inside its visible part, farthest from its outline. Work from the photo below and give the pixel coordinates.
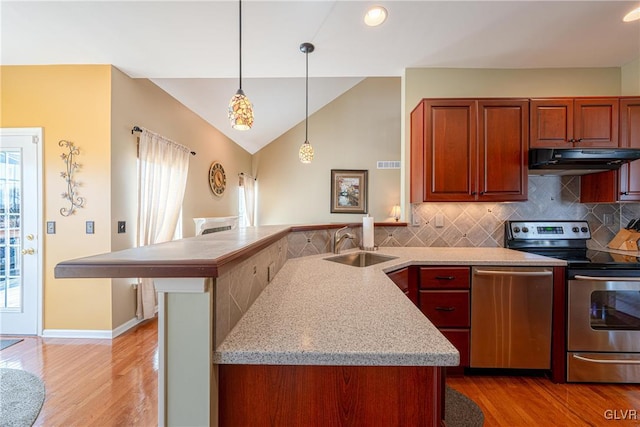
(603, 299)
(511, 317)
(578, 161)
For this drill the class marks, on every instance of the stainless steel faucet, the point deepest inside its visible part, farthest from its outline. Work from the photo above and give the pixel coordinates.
(337, 240)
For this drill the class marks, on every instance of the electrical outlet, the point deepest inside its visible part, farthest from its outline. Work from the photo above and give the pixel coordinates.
(439, 220)
(51, 227)
(415, 221)
(89, 227)
(122, 227)
(607, 219)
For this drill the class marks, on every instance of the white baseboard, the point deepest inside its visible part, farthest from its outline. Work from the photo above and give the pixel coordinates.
(91, 334)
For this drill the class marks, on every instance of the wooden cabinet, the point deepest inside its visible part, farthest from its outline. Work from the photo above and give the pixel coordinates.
(622, 185)
(405, 278)
(469, 150)
(574, 122)
(444, 298)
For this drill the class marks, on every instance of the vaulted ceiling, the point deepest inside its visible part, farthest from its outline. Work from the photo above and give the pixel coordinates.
(190, 48)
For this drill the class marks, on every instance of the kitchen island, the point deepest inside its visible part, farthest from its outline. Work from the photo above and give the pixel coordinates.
(321, 331)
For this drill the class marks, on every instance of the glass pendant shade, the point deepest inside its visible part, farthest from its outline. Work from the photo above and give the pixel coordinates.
(306, 152)
(240, 111)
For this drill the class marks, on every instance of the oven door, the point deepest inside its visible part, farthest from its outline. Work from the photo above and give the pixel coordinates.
(603, 329)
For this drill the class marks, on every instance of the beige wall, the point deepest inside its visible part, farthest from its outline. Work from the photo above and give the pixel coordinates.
(95, 106)
(474, 83)
(631, 78)
(353, 132)
(139, 102)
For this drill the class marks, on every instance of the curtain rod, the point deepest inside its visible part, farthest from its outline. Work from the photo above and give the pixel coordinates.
(244, 174)
(139, 129)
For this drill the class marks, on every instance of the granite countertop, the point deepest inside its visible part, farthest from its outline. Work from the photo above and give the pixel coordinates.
(317, 312)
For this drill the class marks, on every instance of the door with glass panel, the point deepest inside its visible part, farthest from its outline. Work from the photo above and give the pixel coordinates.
(20, 247)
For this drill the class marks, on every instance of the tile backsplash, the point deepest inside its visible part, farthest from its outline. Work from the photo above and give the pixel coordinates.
(482, 224)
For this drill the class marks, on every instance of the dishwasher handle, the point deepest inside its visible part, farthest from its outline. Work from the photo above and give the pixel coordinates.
(607, 279)
(513, 273)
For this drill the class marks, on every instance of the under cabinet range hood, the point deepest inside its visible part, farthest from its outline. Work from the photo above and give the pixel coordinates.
(578, 161)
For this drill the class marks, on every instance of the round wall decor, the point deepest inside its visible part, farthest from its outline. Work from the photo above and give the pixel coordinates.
(217, 178)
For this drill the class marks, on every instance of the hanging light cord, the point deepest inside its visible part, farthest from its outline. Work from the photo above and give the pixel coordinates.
(306, 91)
(240, 39)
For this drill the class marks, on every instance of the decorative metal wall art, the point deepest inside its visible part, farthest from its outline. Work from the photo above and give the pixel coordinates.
(72, 185)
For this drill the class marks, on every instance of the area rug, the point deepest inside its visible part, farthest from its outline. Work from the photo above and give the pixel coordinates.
(4, 342)
(21, 397)
(460, 411)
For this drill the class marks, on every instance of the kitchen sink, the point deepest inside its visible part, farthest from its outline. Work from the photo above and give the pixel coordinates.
(360, 259)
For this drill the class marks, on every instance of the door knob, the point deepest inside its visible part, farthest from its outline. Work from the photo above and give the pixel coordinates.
(29, 236)
(29, 251)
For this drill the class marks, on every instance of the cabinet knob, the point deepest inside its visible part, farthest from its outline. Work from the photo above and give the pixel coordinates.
(445, 277)
(625, 193)
(473, 193)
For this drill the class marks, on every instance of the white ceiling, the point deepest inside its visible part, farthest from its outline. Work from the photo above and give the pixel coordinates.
(190, 49)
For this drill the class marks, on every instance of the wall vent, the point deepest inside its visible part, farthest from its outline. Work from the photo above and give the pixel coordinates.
(388, 164)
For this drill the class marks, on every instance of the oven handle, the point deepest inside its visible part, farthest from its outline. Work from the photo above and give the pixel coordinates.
(512, 273)
(608, 279)
(608, 361)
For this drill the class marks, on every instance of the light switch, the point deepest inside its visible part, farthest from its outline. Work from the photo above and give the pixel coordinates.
(439, 220)
(51, 227)
(89, 227)
(122, 227)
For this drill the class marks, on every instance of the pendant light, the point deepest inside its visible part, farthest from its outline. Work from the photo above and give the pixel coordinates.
(306, 150)
(240, 108)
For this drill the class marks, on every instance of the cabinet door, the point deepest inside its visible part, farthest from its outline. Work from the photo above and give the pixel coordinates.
(630, 137)
(623, 184)
(551, 123)
(596, 122)
(444, 277)
(446, 308)
(450, 150)
(503, 129)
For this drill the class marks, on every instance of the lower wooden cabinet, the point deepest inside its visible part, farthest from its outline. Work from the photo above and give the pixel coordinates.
(444, 297)
(446, 309)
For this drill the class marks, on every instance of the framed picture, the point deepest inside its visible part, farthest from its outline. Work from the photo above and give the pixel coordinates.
(349, 191)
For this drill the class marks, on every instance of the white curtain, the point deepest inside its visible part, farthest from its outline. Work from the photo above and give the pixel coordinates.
(249, 185)
(162, 178)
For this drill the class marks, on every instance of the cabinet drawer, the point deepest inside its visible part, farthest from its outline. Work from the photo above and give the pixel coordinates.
(446, 308)
(460, 340)
(444, 278)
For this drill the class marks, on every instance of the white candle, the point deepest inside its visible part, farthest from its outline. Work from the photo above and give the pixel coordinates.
(367, 232)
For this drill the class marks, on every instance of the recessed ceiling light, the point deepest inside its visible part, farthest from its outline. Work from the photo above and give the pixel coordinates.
(634, 15)
(375, 16)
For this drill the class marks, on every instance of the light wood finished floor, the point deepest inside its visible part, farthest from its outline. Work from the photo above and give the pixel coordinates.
(114, 383)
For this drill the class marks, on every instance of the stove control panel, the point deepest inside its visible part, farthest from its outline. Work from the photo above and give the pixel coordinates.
(548, 230)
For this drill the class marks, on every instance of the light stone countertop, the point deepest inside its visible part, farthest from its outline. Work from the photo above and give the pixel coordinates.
(317, 312)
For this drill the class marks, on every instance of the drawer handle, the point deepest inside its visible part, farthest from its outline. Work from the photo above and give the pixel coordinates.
(445, 308)
(445, 277)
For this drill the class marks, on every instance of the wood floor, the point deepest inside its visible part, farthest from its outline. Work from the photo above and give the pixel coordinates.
(114, 383)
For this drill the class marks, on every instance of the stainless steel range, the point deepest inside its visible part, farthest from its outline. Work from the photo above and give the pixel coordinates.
(603, 299)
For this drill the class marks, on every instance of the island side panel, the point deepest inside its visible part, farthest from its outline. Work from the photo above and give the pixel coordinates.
(269, 395)
(186, 375)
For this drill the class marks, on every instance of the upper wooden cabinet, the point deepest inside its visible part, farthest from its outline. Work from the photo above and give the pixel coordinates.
(574, 122)
(469, 150)
(622, 185)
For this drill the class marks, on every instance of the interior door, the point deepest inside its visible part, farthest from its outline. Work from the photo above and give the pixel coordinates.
(20, 242)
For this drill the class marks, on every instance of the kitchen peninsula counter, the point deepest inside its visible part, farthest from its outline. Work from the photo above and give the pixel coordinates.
(318, 312)
(318, 325)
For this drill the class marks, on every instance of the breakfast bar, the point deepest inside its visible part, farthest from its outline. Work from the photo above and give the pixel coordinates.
(245, 332)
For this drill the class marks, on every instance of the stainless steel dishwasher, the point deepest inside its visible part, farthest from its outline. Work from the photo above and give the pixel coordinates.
(511, 317)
